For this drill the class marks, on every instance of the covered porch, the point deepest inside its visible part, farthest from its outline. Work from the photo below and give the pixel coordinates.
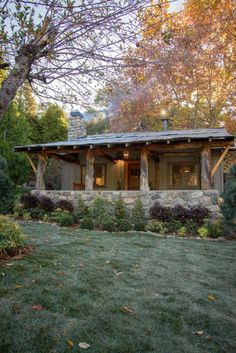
(168, 160)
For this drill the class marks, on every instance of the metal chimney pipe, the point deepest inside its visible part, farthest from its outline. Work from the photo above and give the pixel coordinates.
(165, 124)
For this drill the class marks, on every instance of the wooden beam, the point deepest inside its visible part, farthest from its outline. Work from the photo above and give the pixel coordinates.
(89, 170)
(144, 185)
(66, 158)
(206, 167)
(32, 163)
(105, 155)
(214, 170)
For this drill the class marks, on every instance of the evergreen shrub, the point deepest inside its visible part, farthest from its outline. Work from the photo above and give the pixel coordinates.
(101, 210)
(229, 206)
(81, 210)
(138, 216)
(7, 194)
(87, 223)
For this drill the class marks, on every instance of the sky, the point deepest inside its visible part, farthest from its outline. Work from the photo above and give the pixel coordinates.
(176, 5)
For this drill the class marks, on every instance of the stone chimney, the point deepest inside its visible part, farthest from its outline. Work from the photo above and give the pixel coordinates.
(76, 126)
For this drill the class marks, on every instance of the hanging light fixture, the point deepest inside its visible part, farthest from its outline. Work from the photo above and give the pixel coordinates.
(126, 154)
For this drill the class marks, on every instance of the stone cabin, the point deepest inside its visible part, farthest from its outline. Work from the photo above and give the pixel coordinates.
(184, 166)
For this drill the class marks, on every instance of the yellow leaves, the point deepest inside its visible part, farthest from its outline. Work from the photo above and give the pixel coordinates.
(126, 309)
(18, 286)
(211, 297)
(70, 343)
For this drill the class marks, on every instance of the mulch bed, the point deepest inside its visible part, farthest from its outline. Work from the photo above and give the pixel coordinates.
(16, 254)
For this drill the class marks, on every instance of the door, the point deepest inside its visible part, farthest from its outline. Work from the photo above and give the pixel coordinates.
(133, 176)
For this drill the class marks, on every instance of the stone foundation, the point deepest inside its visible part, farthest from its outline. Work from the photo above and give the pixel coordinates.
(207, 198)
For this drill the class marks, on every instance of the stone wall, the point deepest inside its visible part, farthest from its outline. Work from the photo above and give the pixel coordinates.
(186, 198)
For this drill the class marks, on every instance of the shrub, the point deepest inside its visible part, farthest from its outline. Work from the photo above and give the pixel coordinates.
(178, 213)
(87, 223)
(183, 231)
(124, 225)
(36, 213)
(229, 206)
(173, 226)
(191, 227)
(45, 218)
(138, 217)
(155, 226)
(65, 219)
(159, 212)
(7, 194)
(65, 205)
(139, 226)
(26, 216)
(11, 235)
(101, 210)
(120, 209)
(109, 225)
(46, 204)
(215, 229)
(122, 217)
(198, 213)
(203, 232)
(29, 201)
(81, 210)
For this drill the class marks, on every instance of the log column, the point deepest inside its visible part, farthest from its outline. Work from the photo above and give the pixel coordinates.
(89, 170)
(144, 186)
(206, 167)
(41, 166)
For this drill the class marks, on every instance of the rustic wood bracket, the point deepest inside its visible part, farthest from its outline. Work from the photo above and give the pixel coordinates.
(216, 167)
(32, 163)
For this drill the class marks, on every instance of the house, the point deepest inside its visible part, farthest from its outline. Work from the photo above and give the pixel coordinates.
(152, 164)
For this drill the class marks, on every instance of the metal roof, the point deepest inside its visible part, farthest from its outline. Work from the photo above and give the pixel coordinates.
(136, 137)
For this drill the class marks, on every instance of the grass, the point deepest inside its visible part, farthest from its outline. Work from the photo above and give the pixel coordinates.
(120, 293)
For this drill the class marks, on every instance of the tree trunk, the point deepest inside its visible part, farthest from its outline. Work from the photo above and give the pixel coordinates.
(40, 185)
(206, 168)
(144, 186)
(14, 81)
(89, 170)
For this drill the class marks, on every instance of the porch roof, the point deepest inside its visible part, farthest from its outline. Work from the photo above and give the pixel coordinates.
(134, 138)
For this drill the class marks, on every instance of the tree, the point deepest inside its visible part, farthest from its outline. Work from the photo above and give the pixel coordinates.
(192, 67)
(15, 130)
(52, 124)
(6, 188)
(62, 44)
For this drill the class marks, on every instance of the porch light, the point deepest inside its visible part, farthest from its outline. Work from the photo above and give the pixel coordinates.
(126, 154)
(163, 112)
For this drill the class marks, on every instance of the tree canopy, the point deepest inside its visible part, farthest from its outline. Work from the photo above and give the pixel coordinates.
(60, 46)
(191, 71)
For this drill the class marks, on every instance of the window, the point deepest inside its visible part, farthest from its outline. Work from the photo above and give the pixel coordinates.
(183, 175)
(99, 176)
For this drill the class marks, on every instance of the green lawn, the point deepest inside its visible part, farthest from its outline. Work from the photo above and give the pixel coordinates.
(120, 293)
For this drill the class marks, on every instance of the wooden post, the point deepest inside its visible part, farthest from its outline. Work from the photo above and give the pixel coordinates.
(42, 161)
(89, 170)
(144, 186)
(206, 167)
